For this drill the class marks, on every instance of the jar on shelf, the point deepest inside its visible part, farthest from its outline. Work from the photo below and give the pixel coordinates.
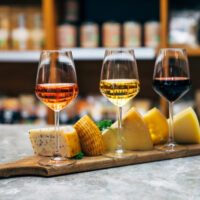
(111, 34)
(66, 35)
(152, 34)
(89, 35)
(131, 34)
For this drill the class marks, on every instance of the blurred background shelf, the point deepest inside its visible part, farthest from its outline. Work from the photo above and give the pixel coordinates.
(18, 68)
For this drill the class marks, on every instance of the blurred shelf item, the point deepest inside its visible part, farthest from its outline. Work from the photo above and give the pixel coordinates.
(152, 34)
(87, 35)
(78, 54)
(27, 109)
(21, 27)
(23, 109)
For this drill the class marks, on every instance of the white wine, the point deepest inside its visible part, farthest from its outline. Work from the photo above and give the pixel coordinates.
(119, 91)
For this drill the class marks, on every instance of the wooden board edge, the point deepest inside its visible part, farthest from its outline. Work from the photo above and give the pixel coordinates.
(23, 167)
(142, 157)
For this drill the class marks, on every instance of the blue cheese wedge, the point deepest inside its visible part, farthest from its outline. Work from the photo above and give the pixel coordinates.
(44, 141)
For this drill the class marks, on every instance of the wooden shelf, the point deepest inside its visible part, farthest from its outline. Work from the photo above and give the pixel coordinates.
(78, 54)
(19, 56)
(98, 53)
(190, 51)
(193, 51)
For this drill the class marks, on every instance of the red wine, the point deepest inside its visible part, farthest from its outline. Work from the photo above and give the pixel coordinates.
(171, 88)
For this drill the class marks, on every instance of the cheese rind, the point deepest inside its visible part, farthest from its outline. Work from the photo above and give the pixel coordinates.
(158, 126)
(90, 137)
(135, 133)
(186, 127)
(44, 141)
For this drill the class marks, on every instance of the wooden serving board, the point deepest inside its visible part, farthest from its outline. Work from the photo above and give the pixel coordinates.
(29, 165)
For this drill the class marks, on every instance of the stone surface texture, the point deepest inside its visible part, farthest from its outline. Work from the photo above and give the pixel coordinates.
(177, 179)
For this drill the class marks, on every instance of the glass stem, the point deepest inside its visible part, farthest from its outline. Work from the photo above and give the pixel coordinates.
(119, 141)
(171, 129)
(56, 116)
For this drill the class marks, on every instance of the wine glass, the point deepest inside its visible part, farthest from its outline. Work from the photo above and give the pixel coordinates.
(171, 80)
(119, 83)
(56, 86)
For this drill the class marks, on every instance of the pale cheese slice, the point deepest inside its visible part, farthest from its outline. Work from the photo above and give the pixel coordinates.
(135, 133)
(186, 127)
(44, 141)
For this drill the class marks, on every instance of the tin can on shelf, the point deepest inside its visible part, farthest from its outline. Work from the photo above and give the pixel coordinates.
(89, 35)
(152, 34)
(111, 34)
(66, 35)
(131, 34)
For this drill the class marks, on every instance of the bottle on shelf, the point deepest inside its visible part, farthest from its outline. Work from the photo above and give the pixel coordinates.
(4, 27)
(20, 34)
(37, 33)
(4, 34)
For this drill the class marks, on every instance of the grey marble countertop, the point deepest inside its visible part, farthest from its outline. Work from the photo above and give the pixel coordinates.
(177, 179)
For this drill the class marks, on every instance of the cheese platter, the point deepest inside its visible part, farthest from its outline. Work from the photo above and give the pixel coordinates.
(141, 134)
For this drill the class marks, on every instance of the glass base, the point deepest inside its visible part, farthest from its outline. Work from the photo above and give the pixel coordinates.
(120, 153)
(56, 161)
(171, 147)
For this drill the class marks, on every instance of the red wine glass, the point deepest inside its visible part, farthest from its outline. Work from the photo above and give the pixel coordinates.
(171, 80)
(56, 86)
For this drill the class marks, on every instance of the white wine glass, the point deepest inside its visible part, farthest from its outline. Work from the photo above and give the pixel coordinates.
(56, 86)
(171, 80)
(119, 83)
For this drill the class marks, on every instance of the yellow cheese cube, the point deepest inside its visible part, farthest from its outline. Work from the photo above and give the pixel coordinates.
(186, 127)
(44, 141)
(134, 131)
(158, 126)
